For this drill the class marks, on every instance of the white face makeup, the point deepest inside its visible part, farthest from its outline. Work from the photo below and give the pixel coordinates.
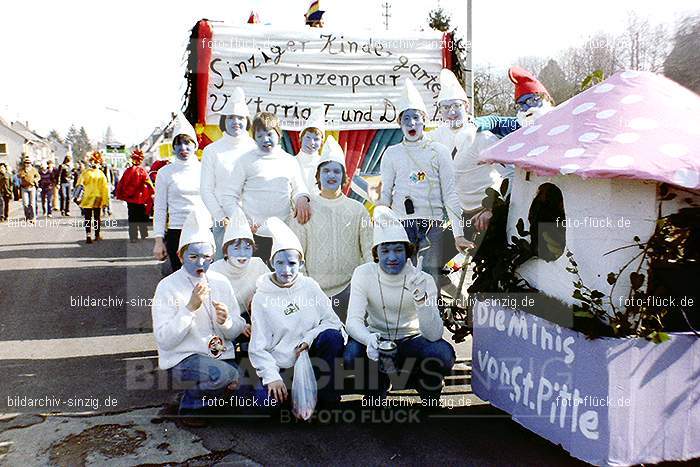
(453, 112)
(184, 149)
(412, 124)
(311, 142)
(234, 125)
(266, 140)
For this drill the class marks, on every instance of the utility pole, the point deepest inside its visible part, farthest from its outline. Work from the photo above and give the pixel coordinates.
(387, 6)
(469, 83)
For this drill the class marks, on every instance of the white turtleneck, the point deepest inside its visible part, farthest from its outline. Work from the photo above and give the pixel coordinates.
(177, 193)
(366, 315)
(308, 164)
(242, 279)
(283, 318)
(422, 171)
(218, 160)
(472, 178)
(265, 184)
(336, 240)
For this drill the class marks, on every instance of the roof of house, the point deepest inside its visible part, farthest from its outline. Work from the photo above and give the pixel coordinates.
(635, 125)
(4, 123)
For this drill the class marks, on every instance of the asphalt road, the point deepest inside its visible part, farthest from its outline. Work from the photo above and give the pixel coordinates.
(96, 359)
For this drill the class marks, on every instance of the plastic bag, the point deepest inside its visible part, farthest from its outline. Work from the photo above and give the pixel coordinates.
(303, 388)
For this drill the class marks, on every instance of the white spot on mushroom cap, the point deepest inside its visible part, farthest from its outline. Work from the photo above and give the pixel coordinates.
(515, 147)
(643, 123)
(573, 152)
(588, 137)
(603, 114)
(674, 150)
(632, 99)
(582, 108)
(569, 168)
(537, 151)
(558, 130)
(687, 178)
(626, 138)
(531, 129)
(603, 87)
(619, 161)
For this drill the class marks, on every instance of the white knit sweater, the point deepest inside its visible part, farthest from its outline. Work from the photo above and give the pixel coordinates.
(424, 172)
(366, 315)
(283, 318)
(265, 185)
(242, 280)
(218, 160)
(336, 240)
(177, 193)
(180, 332)
(471, 177)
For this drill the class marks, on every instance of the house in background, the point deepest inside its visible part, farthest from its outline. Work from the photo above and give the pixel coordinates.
(11, 144)
(36, 146)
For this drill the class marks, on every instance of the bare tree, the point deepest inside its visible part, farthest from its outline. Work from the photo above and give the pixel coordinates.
(681, 65)
(493, 92)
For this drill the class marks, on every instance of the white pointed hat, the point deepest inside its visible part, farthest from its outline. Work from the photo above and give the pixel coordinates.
(317, 119)
(197, 228)
(235, 105)
(331, 152)
(410, 98)
(237, 227)
(182, 127)
(387, 227)
(450, 88)
(282, 237)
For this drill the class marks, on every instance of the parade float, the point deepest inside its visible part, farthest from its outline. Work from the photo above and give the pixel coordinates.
(585, 324)
(355, 77)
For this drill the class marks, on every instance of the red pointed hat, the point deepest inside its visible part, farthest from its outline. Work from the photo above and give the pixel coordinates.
(253, 18)
(525, 82)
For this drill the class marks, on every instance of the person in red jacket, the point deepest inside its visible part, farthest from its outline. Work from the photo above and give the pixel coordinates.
(136, 189)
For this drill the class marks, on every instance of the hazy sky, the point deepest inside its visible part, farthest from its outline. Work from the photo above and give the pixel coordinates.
(67, 62)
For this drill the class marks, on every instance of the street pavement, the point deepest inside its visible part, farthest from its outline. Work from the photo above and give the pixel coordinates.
(80, 384)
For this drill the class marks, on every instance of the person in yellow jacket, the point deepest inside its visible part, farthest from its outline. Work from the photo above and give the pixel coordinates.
(95, 195)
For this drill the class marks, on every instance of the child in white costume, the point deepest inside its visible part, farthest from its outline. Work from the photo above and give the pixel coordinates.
(291, 315)
(196, 318)
(418, 184)
(338, 238)
(391, 300)
(241, 268)
(266, 183)
(461, 138)
(311, 139)
(219, 158)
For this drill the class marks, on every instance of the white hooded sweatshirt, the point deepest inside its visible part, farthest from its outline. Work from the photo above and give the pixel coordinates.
(283, 318)
(180, 332)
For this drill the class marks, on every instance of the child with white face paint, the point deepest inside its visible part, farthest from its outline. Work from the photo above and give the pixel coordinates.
(338, 237)
(177, 193)
(266, 183)
(418, 183)
(391, 300)
(196, 318)
(465, 143)
(239, 265)
(311, 140)
(291, 315)
(219, 159)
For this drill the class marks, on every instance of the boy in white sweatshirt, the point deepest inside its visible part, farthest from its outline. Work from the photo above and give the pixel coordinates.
(418, 184)
(195, 320)
(390, 299)
(291, 315)
(339, 236)
(219, 158)
(266, 182)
